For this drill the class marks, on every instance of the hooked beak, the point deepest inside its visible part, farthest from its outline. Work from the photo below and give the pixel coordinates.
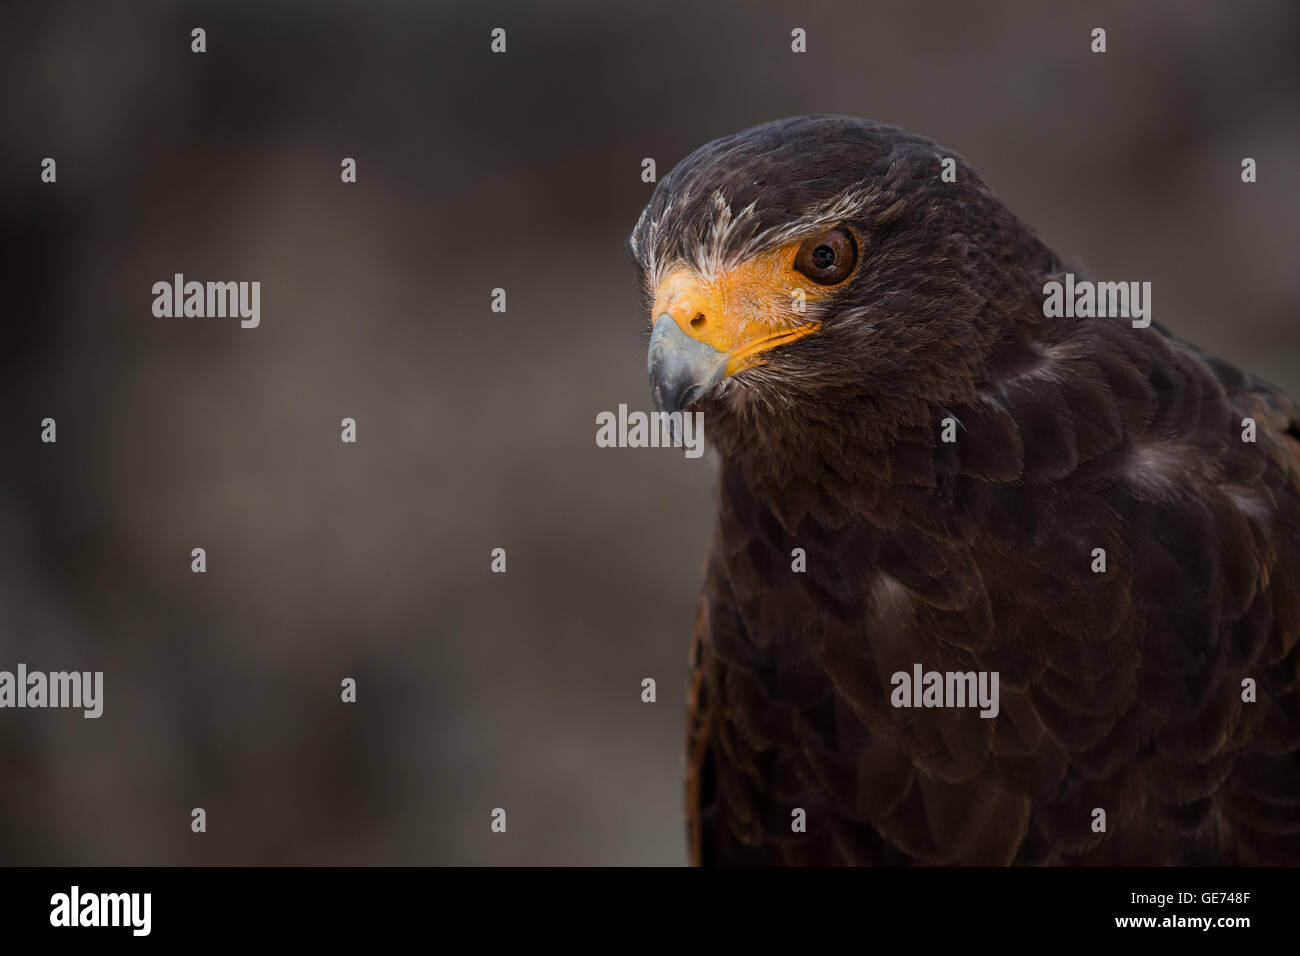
(681, 368)
(707, 330)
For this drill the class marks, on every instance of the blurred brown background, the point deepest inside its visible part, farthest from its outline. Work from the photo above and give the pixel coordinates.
(476, 430)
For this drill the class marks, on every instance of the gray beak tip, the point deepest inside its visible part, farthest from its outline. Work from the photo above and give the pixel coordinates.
(681, 368)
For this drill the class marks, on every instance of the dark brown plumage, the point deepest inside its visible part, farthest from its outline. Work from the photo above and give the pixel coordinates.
(1119, 690)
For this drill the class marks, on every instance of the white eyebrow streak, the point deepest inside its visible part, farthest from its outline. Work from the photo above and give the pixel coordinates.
(718, 250)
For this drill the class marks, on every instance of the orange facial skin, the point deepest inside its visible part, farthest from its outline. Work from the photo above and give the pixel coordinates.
(746, 310)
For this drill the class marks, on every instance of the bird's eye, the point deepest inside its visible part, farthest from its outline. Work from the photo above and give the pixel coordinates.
(828, 258)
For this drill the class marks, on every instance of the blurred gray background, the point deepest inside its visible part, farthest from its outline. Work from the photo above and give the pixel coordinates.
(476, 430)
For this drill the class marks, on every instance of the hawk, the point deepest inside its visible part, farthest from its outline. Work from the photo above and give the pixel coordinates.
(918, 468)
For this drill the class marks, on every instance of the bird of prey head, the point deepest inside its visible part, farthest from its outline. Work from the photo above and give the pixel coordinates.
(824, 261)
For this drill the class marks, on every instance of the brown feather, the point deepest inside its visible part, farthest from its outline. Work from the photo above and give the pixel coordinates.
(1120, 690)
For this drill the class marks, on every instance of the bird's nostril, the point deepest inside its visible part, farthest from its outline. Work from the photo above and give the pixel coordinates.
(699, 321)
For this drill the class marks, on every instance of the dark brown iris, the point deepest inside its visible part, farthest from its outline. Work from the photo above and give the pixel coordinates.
(829, 257)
